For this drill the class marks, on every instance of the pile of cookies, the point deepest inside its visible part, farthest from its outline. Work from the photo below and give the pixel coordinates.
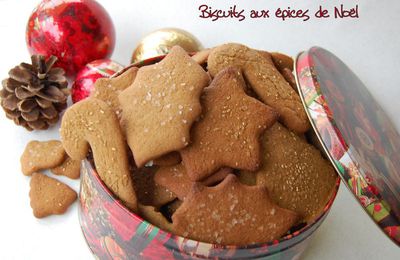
(210, 147)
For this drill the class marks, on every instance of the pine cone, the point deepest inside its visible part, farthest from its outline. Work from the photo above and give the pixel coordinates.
(34, 95)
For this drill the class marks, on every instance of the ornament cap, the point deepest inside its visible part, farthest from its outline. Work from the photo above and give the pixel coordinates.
(161, 41)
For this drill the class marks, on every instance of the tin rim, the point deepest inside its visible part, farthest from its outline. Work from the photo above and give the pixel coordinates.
(326, 149)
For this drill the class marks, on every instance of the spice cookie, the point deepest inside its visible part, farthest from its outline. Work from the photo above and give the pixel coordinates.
(284, 64)
(231, 214)
(161, 105)
(248, 178)
(148, 191)
(289, 77)
(108, 89)
(175, 179)
(49, 196)
(153, 216)
(282, 61)
(41, 156)
(201, 57)
(295, 173)
(228, 132)
(170, 209)
(172, 158)
(265, 80)
(69, 168)
(92, 123)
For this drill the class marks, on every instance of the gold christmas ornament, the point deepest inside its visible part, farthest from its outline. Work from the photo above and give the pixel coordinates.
(161, 41)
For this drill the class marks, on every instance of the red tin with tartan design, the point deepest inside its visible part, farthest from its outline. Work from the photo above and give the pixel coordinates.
(113, 232)
(359, 138)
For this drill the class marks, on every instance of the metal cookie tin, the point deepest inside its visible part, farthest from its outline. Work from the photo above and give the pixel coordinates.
(357, 137)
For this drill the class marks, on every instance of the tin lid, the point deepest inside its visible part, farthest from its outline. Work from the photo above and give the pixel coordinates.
(357, 135)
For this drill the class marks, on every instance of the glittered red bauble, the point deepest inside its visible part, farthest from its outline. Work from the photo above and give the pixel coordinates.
(85, 79)
(75, 31)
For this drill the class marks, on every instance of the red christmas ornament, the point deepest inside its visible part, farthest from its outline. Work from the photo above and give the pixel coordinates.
(75, 31)
(86, 78)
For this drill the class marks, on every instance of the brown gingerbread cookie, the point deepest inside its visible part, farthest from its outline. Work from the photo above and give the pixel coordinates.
(232, 214)
(284, 65)
(282, 61)
(289, 77)
(175, 179)
(246, 177)
(228, 133)
(41, 156)
(108, 89)
(49, 196)
(69, 168)
(170, 209)
(150, 214)
(161, 105)
(265, 80)
(172, 158)
(201, 57)
(295, 173)
(148, 191)
(92, 123)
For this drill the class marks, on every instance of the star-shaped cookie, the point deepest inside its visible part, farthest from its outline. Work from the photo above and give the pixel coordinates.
(175, 179)
(161, 105)
(295, 173)
(228, 133)
(150, 193)
(264, 79)
(231, 214)
(108, 89)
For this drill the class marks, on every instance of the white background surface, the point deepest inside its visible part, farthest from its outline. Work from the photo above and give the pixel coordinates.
(370, 45)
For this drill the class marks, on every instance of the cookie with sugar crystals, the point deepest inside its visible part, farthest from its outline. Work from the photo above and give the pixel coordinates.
(265, 80)
(69, 168)
(175, 179)
(295, 173)
(49, 196)
(91, 123)
(282, 61)
(149, 192)
(161, 105)
(284, 64)
(172, 158)
(108, 89)
(41, 156)
(227, 135)
(201, 57)
(232, 214)
(150, 214)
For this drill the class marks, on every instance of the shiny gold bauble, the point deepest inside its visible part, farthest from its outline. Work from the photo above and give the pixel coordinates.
(161, 41)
